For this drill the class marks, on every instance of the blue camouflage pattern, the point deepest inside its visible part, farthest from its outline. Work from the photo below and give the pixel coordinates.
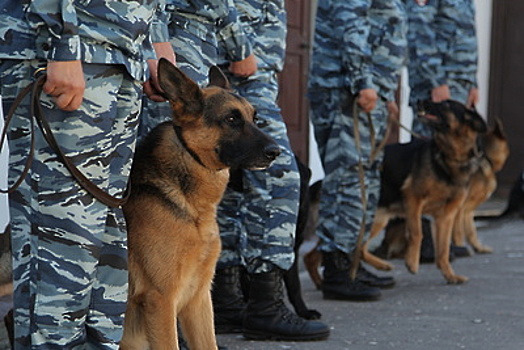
(97, 31)
(193, 27)
(358, 45)
(257, 226)
(443, 50)
(70, 250)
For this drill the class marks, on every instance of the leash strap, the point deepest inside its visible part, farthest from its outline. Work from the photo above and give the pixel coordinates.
(38, 114)
(357, 254)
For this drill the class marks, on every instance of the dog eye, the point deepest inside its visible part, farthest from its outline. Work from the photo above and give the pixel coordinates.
(234, 117)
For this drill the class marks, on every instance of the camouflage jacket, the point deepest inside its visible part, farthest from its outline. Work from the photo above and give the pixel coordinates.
(442, 43)
(221, 14)
(265, 24)
(359, 44)
(96, 31)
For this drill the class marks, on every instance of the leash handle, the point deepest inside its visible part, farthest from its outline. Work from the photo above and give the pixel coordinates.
(37, 113)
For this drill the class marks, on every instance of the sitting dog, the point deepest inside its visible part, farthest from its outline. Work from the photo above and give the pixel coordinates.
(429, 177)
(179, 174)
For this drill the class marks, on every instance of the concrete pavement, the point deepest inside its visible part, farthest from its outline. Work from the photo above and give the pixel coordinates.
(422, 312)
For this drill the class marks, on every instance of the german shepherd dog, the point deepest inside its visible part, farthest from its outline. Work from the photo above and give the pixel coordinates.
(495, 150)
(433, 179)
(179, 174)
(482, 184)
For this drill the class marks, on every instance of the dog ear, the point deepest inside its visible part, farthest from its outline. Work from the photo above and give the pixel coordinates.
(498, 129)
(218, 78)
(476, 121)
(179, 88)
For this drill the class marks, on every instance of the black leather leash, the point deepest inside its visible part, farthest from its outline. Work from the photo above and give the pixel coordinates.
(35, 89)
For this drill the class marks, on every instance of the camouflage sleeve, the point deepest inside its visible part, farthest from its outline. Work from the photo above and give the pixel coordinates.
(159, 27)
(352, 21)
(458, 37)
(61, 20)
(390, 49)
(424, 49)
(159, 32)
(233, 37)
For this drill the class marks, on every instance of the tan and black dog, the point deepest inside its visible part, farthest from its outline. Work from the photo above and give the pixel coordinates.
(179, 174)
(495, 151)
(429, 177)
(483, 183)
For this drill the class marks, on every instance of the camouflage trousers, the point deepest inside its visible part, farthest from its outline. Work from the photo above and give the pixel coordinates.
(257, 225)
(459, 91)
(341, 207)
(195, 45)
(70, 250)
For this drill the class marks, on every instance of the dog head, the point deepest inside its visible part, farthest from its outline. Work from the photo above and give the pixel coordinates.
(216, 125)
(456, 127)
(449, 116)
(496, 146)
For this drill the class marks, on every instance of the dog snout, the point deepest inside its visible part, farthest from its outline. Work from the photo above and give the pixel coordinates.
(272, 151)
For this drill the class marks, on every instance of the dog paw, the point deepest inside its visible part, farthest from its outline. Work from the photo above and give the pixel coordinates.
(483, 249)
(412, 267)
(456, 279)
(385, 266)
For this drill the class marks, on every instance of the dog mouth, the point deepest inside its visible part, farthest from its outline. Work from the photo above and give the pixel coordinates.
(427, 110)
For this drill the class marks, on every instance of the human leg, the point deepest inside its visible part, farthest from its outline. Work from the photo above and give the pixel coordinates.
(58, 227)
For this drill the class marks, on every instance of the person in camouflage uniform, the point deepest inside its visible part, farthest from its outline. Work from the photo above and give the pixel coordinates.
(193, 26)
(257, 216)
(443, 53)
(359, 49)
(69, 249)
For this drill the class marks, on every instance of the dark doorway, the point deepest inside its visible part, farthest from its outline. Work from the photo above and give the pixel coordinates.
(507, 82)
(293, 80)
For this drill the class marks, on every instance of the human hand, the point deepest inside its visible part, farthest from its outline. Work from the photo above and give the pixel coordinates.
(473, 98)
(245, 67)
(151, 87)
(65, 83)
(393, 110)
(367, 99)
(440, 93)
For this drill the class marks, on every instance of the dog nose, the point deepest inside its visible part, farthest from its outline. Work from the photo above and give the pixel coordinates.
(272, 151)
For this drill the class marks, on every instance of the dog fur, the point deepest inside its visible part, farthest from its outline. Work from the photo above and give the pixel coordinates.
(6, 277)
(482, 185)
(495, 151)
(434, 178)
(179, 174)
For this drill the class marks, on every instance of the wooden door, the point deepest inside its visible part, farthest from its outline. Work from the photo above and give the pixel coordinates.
(507, 82)
(293, 79)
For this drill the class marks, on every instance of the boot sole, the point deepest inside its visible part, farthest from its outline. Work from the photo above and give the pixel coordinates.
(334, 296)
(261, 335)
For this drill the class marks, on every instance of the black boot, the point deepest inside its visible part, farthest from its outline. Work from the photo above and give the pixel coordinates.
(337, 284)
(367, 277)
(228, 300)
(267, 317)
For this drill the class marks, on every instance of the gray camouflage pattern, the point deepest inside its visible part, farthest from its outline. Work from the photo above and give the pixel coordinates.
(358, 44)
(257, 226)
(443, 49)
(70, 250)
(193, 27)
(96, 31)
